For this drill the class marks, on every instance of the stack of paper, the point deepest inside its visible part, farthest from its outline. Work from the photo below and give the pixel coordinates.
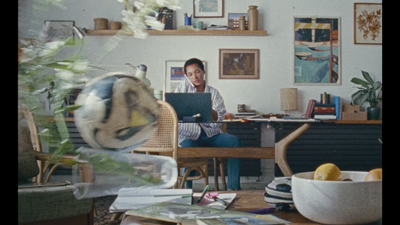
(195, 214)
(132, 198)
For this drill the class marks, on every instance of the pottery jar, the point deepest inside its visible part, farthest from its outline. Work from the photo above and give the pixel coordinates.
(100, 24)
(252, 18)
(242, 23)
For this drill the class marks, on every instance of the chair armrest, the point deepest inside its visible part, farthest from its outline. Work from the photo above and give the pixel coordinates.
(70, 160)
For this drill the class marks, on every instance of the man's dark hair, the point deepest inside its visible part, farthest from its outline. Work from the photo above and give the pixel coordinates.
(193, 61)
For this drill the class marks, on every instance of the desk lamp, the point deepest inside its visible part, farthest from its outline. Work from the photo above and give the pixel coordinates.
(289, 100)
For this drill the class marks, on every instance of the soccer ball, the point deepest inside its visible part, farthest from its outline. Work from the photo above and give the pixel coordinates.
(118, 112)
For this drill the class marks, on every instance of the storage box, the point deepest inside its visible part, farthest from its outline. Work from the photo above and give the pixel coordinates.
(353, 112)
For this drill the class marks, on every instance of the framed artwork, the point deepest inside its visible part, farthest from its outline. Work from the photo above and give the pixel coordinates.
(233, 20)
(60, 30)
(317, 51)
(239, 63)
(208, 8)
(174, 74)
(368, 23)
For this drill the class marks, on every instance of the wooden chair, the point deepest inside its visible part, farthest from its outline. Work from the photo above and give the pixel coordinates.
(48, 204)
(164, 141)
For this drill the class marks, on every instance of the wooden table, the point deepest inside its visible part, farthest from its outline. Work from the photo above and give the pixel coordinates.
(245, 200)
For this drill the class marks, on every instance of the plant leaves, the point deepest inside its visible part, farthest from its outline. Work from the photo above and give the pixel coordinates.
(356, 80)
(367, 77)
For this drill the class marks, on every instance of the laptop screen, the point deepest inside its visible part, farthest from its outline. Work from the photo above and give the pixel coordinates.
(189, 104)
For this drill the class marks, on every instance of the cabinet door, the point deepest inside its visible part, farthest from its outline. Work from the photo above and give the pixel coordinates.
(352, 147)
(250, 135)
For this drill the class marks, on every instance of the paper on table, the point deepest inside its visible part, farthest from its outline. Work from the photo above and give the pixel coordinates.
(209, 202)
(127, 203)
(132, 198)
(189, 214)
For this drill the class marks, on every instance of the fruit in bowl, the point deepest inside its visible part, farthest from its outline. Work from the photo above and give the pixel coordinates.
(338, 202)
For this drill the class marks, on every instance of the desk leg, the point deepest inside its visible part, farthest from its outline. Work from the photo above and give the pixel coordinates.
(281, 148)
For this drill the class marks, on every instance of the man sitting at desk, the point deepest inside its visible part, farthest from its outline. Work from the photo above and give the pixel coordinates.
(207, 134)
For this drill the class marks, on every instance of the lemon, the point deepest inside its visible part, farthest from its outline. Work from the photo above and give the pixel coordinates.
(374, 174)
(327, 171)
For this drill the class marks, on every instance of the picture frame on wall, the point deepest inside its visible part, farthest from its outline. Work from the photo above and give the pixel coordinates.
(208, 8)
(239, 63)
(368, 23)
(60, 30)
(174, 74)
(317, 46)
(233, 20)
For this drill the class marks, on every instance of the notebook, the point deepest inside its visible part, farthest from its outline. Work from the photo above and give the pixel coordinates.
(190, 104)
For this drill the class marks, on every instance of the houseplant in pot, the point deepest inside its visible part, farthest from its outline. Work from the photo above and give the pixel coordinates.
(370, 91)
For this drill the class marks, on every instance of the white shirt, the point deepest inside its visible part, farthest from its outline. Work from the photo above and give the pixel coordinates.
(193, 130)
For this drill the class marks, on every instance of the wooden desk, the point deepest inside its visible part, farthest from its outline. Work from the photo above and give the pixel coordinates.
(226, 152)
(278, 152)
(245, 200)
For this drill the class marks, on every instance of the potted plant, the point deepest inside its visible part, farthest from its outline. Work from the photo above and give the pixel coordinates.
(370, 91)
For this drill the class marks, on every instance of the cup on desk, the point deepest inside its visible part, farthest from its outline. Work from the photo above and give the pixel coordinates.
(198, 25)
(188, 20)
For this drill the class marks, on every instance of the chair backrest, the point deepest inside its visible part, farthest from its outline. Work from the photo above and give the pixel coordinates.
(33, 130)
(165, 139)
(27, 164)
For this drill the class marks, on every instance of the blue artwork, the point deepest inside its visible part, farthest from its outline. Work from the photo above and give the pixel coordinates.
(317, 51)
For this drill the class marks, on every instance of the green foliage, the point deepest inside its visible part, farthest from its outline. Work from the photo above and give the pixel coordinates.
(370, 90)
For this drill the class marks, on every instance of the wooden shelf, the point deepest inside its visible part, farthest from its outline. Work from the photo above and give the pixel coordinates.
(187, 32)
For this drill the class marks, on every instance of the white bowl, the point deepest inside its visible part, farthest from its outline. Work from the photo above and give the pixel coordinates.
(338, 202)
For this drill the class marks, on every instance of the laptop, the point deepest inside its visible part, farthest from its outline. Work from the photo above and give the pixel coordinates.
(189, 104)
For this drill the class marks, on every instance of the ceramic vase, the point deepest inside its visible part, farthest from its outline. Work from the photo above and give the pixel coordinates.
(373, 113)
(252, 17)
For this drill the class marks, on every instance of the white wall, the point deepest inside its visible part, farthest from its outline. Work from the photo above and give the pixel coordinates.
(276, 49)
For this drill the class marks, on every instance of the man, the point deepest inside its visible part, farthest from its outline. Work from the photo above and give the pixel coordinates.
(207, 134)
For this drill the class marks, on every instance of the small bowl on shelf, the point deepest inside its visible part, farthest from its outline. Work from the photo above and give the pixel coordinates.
(338, 202)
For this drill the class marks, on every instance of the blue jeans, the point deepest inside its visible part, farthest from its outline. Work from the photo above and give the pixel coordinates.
(219, 140)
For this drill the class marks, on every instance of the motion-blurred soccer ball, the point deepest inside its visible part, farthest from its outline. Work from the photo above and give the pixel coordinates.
(118, 112)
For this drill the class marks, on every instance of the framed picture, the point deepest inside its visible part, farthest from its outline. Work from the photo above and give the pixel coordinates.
(239, 63)
(233, 20)
(368, 23)
(60, 30)
(174, 74)
(317, 51)
(208, 8)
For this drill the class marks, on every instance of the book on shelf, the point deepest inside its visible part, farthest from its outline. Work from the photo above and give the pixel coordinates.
(338, 106)
(132, 198)
(324, 104)
(320, 109)
(189, 214)
(326, 116)
(246, 113)
(310, 108)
